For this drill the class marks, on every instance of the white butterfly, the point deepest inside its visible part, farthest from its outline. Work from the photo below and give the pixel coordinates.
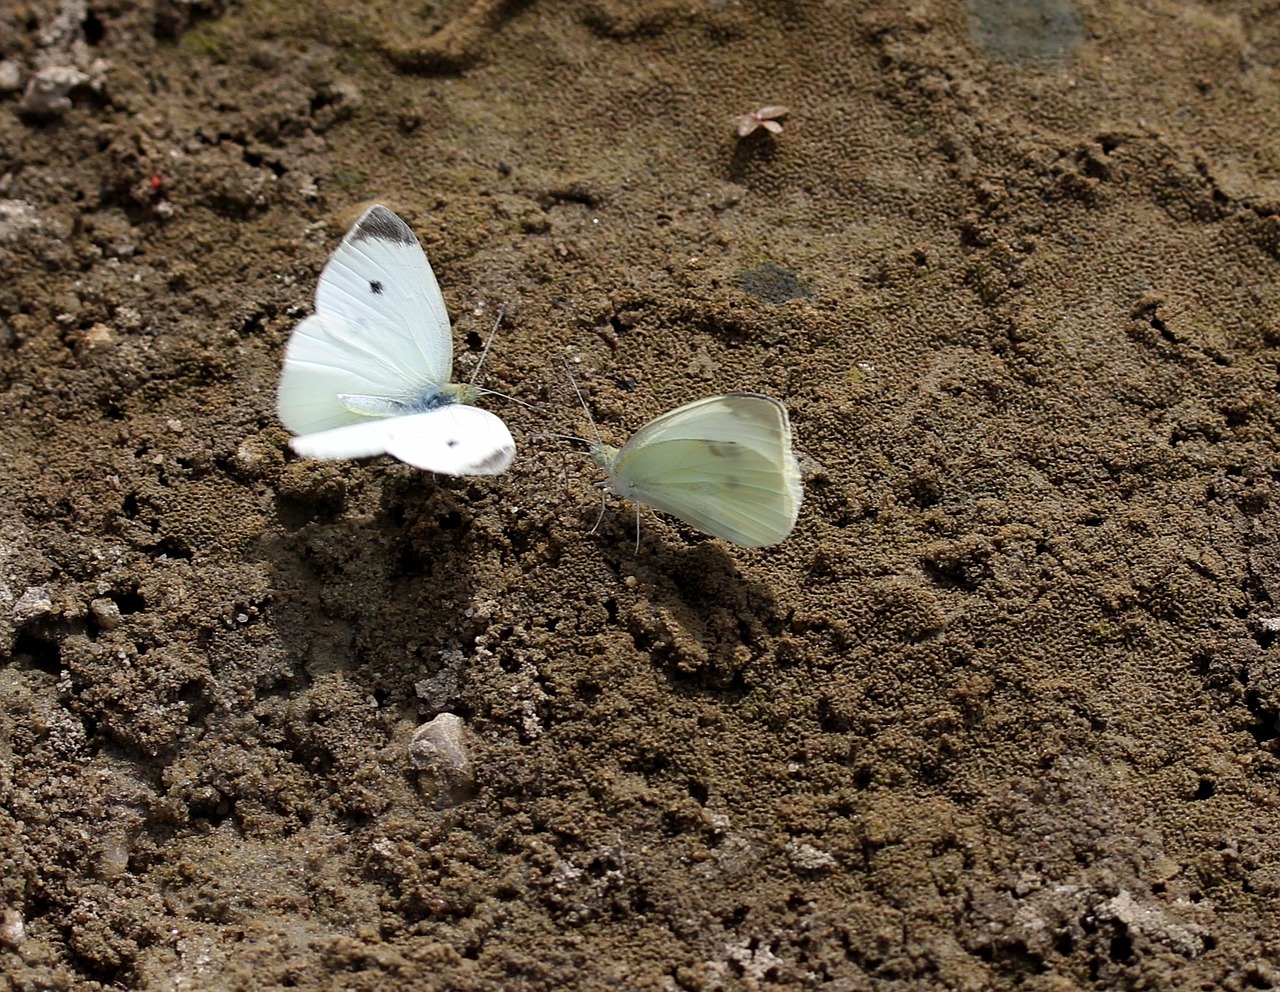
(368, 372)
(723, 465)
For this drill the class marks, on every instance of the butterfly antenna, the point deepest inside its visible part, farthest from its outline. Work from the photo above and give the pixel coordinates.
(599, 440)
(481, 391)
(562, 437)
(637, 551)
(502, 312)
(585, 409)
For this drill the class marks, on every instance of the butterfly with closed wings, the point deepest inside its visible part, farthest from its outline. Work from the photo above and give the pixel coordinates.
(723, 465)
(368, 372)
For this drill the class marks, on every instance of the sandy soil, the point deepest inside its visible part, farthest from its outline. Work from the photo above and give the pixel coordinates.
(1002, 712)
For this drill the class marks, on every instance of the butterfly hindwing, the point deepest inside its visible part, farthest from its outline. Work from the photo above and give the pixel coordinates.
(362, 440)
(327, 357)
(730, 493)
(455, 440)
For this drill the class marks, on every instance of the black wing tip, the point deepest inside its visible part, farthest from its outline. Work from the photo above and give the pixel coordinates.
(380, 224)
(495, 463)
(778, 407)
(777, 404)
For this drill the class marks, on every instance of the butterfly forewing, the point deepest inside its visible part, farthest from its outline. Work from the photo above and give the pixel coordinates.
(380, 279)
(380, 328)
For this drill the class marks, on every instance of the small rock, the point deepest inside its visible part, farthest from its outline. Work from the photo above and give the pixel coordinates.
(48, 93)
(439, 752)
(99, 337)
(806, 857)
(12, 928)
(810, 468)
(113, 857)
(35, 602)
(439, 690)
(257, 457)
(128, 318)
(1150, 921)
(17, 217)
(10, 76)
(106, 613)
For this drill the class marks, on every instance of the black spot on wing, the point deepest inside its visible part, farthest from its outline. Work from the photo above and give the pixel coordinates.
(375, 287)
(722, 449)
(451, 443)
(380, 224)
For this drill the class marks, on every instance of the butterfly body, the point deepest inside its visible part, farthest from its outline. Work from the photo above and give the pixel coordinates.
(723, 465)
(368, 372)
(431, 399)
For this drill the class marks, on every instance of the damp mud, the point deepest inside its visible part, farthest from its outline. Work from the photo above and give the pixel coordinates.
(1003, 712)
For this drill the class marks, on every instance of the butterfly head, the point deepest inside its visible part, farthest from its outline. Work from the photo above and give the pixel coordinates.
(604, 455)
(458, 392)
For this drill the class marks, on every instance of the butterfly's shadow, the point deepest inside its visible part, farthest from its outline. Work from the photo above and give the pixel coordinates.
(703, 611)
(378, 563)
(704, 619)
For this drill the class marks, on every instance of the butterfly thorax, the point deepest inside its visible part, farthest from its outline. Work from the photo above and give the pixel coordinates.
(430, 399)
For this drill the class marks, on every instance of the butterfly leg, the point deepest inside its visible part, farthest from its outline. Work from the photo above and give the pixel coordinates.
(596, 526)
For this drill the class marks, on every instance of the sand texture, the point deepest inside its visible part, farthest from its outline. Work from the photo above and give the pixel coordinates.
(1002, 713)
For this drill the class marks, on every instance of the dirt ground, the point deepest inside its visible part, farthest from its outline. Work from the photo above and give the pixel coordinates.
(1003, 712)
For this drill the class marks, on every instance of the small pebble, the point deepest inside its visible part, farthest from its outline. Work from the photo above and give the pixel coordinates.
(113, 857)
(806, 857)
(99, 337)
(106, 613)
(35, 602)
(128, 318)
(12, 928)
(439, 752)
(17, 217)
(48, 92)
(10, 76)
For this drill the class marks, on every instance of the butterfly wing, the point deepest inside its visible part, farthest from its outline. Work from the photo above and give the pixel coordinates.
(454, 440)
(380, 328)
(329, 356)
(723, 465)
(362, 440)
